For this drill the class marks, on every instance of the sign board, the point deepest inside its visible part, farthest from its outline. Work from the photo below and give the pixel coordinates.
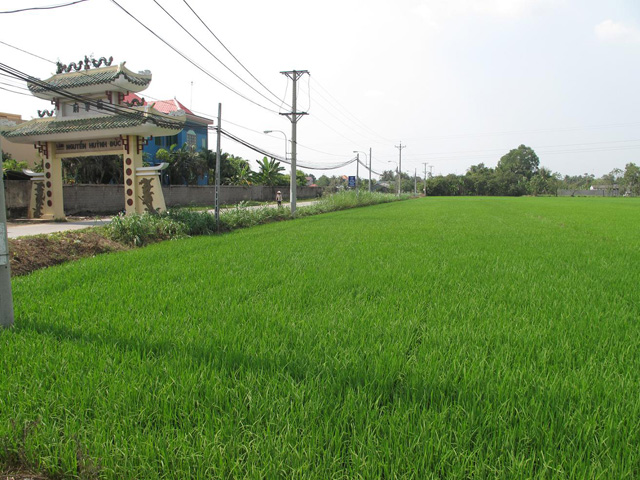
(352, 181)
(89, 146)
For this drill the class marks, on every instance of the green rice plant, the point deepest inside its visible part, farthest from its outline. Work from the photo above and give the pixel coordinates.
(433, 338)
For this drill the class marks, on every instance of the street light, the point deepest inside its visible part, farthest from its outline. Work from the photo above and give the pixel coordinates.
(293, 174)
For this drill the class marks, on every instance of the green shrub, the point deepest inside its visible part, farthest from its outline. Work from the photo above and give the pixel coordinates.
(142, 229)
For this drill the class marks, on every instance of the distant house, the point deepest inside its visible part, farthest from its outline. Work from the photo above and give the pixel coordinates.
(19, 151)
(194, 133)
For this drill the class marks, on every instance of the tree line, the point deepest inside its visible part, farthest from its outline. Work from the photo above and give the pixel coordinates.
(518, 173)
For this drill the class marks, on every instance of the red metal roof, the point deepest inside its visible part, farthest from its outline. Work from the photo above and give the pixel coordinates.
(167, 106)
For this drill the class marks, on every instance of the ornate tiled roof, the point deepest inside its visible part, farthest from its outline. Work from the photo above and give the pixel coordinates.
(50, 126)
(89, 78)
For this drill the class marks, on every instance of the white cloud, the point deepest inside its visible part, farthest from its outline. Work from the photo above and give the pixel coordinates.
(436, 11)
(617, 32)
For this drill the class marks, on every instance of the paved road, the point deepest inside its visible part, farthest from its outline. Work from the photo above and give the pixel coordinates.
(37, 227)
(23, 229)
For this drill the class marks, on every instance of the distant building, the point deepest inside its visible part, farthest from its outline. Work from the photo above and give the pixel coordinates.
(18, 151)
(194, 134)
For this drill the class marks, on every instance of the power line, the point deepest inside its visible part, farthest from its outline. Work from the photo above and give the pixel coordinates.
(266, 153)
(191, 61)
(17, 93)
(107, 107)
(343, 108)
(233, 56)
(50, 7)
(210, 53)
(205, 114)
(28, 53)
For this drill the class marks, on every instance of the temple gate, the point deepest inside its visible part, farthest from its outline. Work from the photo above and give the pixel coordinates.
(91, 118)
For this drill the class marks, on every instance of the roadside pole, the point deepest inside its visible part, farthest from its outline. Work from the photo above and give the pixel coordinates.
(369, 169)
(6, 297)
(217, 202)
(357, 172)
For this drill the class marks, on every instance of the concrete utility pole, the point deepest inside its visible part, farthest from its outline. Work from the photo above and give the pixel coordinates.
(425, 178)
(369, 169)
(294, 116)
(217, 204)
(6, 297)
(400, 147)
(357, 171)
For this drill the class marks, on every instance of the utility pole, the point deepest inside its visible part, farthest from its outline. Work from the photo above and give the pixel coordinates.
(369, 169)
(294, 116)
(6, 297)
(415, 181)
(217, 203)
(357, 171)
(400, 147)
(425, 178)
(430, 171)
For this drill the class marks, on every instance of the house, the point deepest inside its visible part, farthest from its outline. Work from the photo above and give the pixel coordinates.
(194, 134)
(18, 151)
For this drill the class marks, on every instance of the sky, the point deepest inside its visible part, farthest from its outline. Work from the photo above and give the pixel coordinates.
(459, 82)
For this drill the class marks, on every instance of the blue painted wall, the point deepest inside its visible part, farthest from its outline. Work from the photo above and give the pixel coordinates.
(180, 139)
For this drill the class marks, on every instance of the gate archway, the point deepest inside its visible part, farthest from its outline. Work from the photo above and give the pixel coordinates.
(91, 118)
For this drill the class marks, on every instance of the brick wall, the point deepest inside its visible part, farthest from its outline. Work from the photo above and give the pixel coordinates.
(108, 199)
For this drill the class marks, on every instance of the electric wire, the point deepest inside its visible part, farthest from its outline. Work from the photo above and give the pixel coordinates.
(50, 7)
(17, 93)
(344, 109)
(367, 167)
(233, 56)
(28, 53)
(191, 61)
(107, 107)
(213, 55)
(301, 164)
(123, 90)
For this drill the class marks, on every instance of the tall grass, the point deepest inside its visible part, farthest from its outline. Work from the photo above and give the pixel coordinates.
(435, 338)
(142, 229)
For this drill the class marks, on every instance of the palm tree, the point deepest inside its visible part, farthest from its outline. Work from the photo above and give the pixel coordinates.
(269, 173)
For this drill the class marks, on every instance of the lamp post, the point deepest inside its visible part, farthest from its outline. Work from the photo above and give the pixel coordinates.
(293, 173)
(357, 169)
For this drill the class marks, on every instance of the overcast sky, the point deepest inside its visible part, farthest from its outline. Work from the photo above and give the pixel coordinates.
(459, 82)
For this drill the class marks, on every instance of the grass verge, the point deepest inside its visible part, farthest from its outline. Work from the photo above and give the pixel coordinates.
(40, 251)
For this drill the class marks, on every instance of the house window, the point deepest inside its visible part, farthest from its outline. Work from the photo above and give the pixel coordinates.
(192, 139)
(157, 141)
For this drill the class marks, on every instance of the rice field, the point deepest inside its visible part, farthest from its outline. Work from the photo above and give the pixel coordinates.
(431, 338)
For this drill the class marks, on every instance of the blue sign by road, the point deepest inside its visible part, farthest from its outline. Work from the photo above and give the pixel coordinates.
(352, 181)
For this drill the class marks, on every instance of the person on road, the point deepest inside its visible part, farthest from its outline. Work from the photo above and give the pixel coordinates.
(279, 198)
